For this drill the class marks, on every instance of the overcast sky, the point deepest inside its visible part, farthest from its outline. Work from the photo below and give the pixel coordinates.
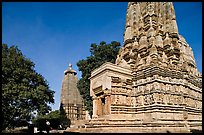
(55, 34)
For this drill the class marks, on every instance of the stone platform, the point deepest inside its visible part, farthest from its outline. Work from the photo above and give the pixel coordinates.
(131, 123)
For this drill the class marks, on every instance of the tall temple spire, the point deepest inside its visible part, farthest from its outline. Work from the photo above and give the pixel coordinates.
(71, 100)
(143, 16)
(152, 26)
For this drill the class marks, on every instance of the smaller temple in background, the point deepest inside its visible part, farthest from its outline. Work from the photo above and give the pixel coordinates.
(71, 100)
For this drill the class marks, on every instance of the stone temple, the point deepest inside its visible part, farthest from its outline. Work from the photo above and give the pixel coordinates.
(71, 100)
(154, 85)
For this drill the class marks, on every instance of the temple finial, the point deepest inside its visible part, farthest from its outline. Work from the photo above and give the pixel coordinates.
(70, 66)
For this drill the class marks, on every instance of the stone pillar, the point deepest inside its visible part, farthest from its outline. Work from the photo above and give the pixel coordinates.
(108, 104)
(95, 102)
(99, 107)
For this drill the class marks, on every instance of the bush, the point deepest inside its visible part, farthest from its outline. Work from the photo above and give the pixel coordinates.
(55, 118)
(40, 123)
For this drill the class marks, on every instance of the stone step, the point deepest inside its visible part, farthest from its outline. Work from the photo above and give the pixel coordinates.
(139, 123)
(135, 130)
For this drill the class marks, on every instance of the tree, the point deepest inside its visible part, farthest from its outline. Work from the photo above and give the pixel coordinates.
(24, 91)
(99, 54)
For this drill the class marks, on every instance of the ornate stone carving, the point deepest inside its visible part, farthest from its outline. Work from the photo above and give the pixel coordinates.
(116, 79)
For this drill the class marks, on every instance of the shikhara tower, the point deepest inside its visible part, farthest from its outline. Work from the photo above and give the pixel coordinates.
(71, 101)
(154, 85)
(151, 36)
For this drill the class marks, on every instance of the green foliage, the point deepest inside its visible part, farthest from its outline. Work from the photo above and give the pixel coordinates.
(99, 54)
(23, 89)
(55, 118)
(40, 122)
